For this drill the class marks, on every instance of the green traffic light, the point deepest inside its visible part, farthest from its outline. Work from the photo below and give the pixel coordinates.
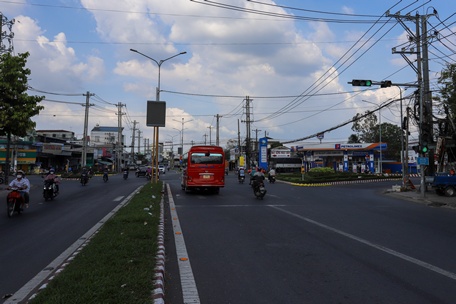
(368, 83)
(424, 149)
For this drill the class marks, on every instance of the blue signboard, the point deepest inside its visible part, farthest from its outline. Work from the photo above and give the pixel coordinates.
(263, 153)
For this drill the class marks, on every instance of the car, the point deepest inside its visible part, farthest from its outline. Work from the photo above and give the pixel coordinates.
(161, 169)
(141, 171)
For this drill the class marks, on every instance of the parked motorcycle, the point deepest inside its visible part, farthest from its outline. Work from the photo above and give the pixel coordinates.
(14, 202)
(84, 178)
(49, 190)
(258, 189)
(125, 174)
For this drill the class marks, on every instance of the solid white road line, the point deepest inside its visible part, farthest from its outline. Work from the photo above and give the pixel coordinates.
(189, 289)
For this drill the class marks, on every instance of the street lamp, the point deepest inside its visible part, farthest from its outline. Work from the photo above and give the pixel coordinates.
(182, 133)
(155, 140)
(380, 167)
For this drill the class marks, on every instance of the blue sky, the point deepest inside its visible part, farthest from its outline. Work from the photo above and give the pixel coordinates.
(293, 61)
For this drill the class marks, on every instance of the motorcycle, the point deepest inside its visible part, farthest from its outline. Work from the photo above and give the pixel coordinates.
(271, 179)
(49, 190)
(84, 179)
(148, 176)
(258, 189)
(14, 202)
(241, 179)
(105, 177)
(125, 174)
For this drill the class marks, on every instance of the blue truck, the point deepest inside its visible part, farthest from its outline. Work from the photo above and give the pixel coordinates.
(444, 184)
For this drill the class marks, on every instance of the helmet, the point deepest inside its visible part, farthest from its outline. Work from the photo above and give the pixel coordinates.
(51, 171)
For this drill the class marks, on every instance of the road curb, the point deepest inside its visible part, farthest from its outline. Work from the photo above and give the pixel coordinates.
(159, 277)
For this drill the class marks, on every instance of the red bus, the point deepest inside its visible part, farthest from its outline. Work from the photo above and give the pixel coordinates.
(204, 169)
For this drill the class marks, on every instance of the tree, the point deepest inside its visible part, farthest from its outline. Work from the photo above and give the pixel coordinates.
(366, 127)
(16, 106)
(446, 98)
(368, 131)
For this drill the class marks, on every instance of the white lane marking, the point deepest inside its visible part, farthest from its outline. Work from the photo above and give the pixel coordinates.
(189, 289)
(420, 263)
(27, 290)
(118, 199)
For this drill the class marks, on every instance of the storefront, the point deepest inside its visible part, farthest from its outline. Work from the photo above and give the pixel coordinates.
(342, 157)
(20, 159)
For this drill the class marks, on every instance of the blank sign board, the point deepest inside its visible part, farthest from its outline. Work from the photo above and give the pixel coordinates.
(156, 113)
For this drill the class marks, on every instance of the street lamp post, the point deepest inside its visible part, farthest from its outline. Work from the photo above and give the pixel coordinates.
(155, 139)
(182, 132)
(380, 167)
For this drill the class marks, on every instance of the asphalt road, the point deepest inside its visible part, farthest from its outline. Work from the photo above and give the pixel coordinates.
(30, 241)
(336, 244)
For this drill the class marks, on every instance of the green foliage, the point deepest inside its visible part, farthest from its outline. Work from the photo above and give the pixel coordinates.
(16, 106)
(446, 96)
(321, 171)
(368, 131)
(117, 265)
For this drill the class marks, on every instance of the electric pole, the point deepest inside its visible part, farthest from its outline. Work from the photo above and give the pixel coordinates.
(119, 149)
(139, 141)
(4, 34)
(418, 44)
(86, 122)
(247, 124)
(133, 142)
(217, 130)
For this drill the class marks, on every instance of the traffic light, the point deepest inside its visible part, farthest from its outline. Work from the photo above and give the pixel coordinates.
(361, 83)
(424, 147)
(386, 84)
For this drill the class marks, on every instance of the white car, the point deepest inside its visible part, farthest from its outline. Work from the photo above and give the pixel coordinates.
(161, 169)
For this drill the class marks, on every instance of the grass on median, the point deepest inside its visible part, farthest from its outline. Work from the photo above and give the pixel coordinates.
(117, 266)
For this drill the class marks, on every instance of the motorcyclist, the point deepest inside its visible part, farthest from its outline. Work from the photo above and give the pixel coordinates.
(23, 184)
(85, 175)
(149, 172)
(54, 178)
(106, 173)
(257, 177)
(241, 173)
(252, 174)
(271, 174)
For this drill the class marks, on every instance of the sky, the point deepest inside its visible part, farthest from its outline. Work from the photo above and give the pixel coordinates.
(292, 61)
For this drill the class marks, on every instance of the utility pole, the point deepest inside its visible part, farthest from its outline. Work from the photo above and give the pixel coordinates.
(256, 143)
(419, 46)
(247, 124)
(205, 139)
(119, 150)
(86, 122)
(239, 139)
(210, 135)
(139, 141)
(217, 132)
(4, 35)
(132, 153)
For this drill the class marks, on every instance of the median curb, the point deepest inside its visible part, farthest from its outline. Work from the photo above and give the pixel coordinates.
(159, 277)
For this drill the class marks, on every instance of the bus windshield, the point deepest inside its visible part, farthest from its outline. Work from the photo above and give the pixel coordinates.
(206, 158)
